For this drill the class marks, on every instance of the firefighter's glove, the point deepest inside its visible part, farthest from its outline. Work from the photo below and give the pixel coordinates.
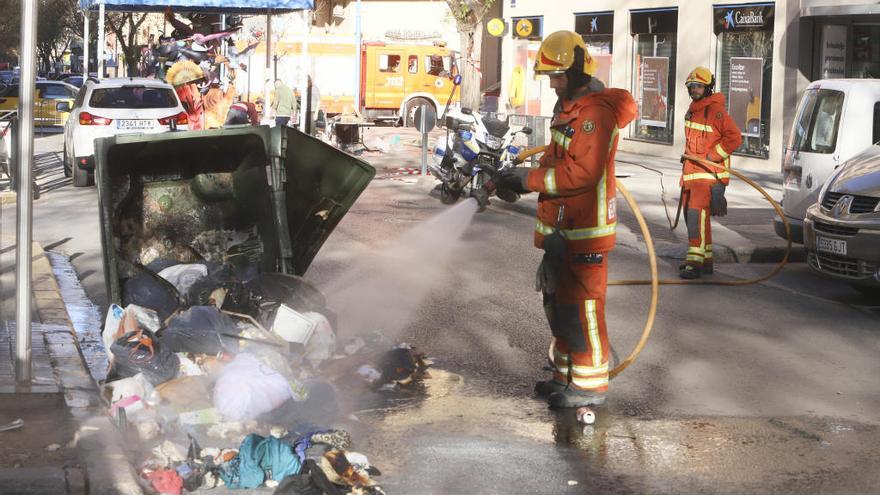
(719, 203)
(514, 179)
(550, 269)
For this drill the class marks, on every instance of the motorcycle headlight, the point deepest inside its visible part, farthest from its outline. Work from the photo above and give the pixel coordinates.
(494, 143)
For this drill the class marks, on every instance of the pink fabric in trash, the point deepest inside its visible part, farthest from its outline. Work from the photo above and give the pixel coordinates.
(166, 481)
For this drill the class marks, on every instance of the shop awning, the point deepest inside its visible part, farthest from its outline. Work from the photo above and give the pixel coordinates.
(217, 6)
(835, 9)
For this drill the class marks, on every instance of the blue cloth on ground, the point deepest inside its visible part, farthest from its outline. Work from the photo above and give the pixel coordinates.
(260, 458)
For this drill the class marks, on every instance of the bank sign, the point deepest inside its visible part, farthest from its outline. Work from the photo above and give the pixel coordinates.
(743, 17)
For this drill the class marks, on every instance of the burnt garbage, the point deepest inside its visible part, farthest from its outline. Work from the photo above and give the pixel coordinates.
(226, 365)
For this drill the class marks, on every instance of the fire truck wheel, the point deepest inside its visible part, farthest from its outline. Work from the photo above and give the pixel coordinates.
(410, 110)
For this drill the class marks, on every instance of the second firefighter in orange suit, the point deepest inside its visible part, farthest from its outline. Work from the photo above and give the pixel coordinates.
(710, 134)
(577, 217)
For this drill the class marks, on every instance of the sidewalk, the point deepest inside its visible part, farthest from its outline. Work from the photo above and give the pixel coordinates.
(67, 444)
(745, 235)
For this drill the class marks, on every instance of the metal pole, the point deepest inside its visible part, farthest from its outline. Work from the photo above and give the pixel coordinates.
(223, 47)
(101, 41)
(24, 218)
(359, 42)
(85, 44)
(267, 86)
(423, 110)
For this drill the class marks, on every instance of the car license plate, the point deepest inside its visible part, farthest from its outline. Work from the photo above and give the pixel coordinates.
(134, 124)
(833, 246)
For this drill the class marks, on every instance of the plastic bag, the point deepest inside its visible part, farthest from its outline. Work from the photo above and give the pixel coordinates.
(322, 344)
(130, 319)
(140, 352)
(247, 388)
(200, 330)
(184, 276)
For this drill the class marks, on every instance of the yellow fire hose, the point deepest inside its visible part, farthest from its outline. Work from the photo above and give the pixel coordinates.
(655, 282)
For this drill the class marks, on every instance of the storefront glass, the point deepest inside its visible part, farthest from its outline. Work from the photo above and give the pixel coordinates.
(866, 51)
(654, 48)
(597, 30)
(744, 70)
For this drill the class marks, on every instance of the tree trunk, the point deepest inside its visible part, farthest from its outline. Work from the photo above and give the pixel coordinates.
(470, 65)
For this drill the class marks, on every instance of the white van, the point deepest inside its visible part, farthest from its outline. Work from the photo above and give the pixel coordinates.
(836, 119)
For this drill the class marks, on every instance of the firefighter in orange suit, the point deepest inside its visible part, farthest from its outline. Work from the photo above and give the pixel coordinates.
(711, 134)
(577, 217)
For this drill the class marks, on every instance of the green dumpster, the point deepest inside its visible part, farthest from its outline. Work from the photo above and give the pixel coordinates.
(265, 196)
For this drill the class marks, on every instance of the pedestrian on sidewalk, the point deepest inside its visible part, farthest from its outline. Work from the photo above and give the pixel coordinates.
(577, 217)
(710, 134)
(283, 103)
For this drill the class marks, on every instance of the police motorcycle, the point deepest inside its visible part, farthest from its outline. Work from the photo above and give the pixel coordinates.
(475, 149)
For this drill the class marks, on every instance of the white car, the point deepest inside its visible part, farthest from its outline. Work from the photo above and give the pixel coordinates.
(110, 107)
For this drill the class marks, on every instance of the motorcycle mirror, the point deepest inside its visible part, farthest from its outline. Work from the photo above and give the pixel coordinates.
(467, 111)
(526, 130)
(457, 80)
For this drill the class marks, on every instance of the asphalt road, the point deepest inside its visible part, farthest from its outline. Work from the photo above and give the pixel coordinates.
(765, 388)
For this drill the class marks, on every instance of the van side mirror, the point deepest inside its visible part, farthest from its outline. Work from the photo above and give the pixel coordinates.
(526, 130)
(457, 80)
(63, 106)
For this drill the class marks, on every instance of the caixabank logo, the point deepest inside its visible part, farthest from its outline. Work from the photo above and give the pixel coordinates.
(734, 18)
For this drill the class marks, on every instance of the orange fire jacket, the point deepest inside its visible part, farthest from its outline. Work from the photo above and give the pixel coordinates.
(577, 171)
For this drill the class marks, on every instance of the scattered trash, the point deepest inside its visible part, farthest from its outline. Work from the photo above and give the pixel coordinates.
(572, 483)
(322, 344)
(139, 352)
(259, 459)
(246, 388)
(586, 415)
(184, 276)
(201, 330)
(165, 481)
(201, 417)
(52, 447)
(12, 425)
(293, 326)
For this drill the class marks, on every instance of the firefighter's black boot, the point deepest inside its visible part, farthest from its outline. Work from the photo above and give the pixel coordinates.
(546, 388)
(572, 397)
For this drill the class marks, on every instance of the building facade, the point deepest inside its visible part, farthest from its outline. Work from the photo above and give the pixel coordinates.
(763, 55)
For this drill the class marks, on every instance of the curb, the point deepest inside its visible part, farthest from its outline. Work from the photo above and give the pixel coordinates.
(7, 198)
(100, 444)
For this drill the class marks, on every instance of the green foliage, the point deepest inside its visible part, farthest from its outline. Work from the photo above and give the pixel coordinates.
(469, 13)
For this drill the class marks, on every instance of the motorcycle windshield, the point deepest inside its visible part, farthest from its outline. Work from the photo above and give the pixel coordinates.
(497, 128)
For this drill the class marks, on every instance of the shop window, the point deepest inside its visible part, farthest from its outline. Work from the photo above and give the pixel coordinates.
(866, 51)
(654, 57)
(389, 63)
(744, 71)
(413, 64)
(597, 30)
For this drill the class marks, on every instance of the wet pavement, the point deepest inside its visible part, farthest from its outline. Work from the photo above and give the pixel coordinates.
(458, 438)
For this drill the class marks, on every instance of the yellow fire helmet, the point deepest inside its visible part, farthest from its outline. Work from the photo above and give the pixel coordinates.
(556, 54)
(701, 75)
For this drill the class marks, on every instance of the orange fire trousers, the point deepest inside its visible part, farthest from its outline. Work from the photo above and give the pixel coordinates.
(698, 218)
(576, 313)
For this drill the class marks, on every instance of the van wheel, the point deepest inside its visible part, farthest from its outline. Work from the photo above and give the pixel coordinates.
(65, 164)
(410, 110)
(80, 176)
